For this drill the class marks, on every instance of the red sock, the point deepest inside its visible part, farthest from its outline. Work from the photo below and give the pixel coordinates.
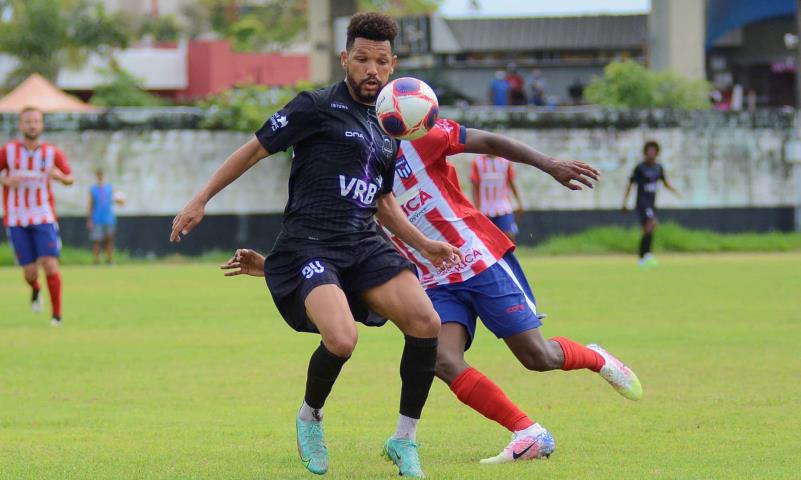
(54, 285)
(578, 356)
(479, 393)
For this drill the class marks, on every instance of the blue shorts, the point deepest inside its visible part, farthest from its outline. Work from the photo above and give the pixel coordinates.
(500, 296)
(506, 223)
(34, 241)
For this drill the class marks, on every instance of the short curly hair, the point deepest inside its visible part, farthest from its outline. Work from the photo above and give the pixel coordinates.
(372, 26)
(650, 144)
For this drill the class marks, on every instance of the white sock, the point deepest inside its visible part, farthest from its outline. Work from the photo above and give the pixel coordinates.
(407, 428)
(309, 414)
(533, 430)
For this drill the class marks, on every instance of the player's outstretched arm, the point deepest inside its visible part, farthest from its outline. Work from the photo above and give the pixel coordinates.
(232, 168)
(565, 172)
(392, 217)
(244, 262)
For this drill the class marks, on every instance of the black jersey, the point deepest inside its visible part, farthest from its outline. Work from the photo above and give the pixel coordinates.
(646, 177)
(341, 163)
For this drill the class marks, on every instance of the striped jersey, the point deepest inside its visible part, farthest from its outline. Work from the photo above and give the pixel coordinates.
(30, 203)
(427, 188)
(492, 175)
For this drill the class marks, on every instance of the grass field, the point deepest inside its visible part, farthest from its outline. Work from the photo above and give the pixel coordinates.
(176, 372)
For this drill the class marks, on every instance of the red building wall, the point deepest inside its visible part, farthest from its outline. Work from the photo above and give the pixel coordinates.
(214, 67)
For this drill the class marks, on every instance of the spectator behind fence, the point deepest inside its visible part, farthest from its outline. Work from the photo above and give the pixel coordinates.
(517, 92)
(101, 221)
(499, 90)
(537, 85)
(576, 92)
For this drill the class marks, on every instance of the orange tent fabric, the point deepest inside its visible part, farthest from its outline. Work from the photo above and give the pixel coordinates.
(37, 91)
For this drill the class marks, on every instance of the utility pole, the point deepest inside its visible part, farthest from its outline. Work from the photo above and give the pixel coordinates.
(798, 55)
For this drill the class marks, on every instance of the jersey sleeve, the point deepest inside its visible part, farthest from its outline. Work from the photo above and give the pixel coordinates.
(475, 176)
(60, 161)
(457, 136)
(297, 121)
(635, 175)
(662, 173)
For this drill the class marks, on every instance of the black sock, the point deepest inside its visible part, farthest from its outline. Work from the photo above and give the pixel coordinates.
(34, 294)
(324, 368)
(417, 373)
(645, 244)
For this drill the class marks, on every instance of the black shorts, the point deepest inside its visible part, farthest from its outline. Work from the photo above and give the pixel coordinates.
(357, 267)
(646, 213)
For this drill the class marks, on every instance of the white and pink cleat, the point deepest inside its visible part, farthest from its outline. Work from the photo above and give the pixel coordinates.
(621, 377)
(529, 444)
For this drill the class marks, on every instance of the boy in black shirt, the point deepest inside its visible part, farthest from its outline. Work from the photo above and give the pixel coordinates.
(646, 175)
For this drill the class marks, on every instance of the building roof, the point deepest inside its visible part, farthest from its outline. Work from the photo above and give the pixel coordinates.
(549, 33)
(36, 91)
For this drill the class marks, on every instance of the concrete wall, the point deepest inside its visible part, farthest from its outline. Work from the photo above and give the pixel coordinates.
(713, 168)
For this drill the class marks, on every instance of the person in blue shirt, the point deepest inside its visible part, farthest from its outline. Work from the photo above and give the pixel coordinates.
(101, 221)
(499, 90)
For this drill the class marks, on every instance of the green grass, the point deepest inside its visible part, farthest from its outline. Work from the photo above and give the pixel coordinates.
(172, 371)
(669, 237)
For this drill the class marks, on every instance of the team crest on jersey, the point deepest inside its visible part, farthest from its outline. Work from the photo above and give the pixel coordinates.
(387, 147)
(402, 167)
(278, 122)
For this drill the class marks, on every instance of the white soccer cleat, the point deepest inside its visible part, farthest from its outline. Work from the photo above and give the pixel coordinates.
(621, 377)
(529, 444)
(36, 303)
(55, 321)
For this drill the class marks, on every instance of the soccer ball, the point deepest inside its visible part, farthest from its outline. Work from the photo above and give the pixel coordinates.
(407, 108)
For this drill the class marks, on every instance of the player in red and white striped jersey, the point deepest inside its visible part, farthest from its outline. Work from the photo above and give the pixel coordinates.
(26, 167)
(489, 283)
(493, 179)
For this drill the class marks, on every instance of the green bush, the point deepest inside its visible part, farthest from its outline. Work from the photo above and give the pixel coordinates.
(246, 107)
(124, 90)
(669, 238)
(628, 84)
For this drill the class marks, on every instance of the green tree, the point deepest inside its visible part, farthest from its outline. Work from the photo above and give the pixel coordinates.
(628, 84)
(45, 35)
(400, 7)
(123, 89)
(163, 28)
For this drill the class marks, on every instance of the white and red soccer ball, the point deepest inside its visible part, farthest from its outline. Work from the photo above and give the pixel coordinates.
(407, 108)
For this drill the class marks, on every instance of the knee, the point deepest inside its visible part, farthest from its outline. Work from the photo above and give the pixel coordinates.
(424, 323)
(50, 266)
(448, 368)
(341, 344)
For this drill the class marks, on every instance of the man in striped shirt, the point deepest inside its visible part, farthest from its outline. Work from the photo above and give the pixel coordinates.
(493, 178)
(26, 167)
(489, 283)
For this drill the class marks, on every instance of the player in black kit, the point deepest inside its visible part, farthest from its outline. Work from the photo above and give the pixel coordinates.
(329, 267)
(646, 175)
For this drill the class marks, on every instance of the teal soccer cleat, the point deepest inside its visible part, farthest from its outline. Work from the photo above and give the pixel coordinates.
(403, 453)
(311, 446)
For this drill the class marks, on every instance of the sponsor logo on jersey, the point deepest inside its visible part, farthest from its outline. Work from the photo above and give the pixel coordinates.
(415, 203)
(278, 122)
(312, 268)
(402, 167)
(470, 257)
(339, 106)
(350, 134)
(516, 308)
(358, 189)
